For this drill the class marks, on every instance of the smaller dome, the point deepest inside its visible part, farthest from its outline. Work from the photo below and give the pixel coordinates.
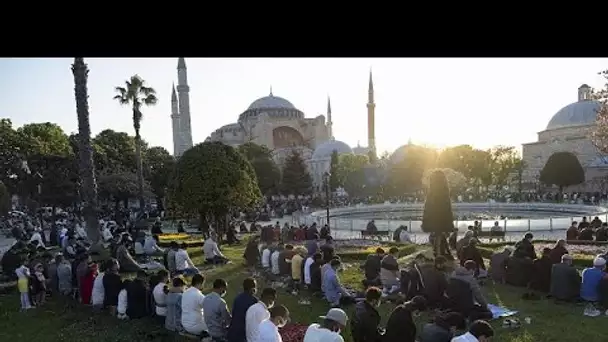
(271, 101)
(575, 114)
(326, 149)
(401, 153)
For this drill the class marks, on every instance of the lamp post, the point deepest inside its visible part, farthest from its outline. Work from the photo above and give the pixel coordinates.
(326, 176)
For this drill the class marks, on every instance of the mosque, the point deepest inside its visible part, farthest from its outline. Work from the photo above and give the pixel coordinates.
(569, 130)
(276, 123)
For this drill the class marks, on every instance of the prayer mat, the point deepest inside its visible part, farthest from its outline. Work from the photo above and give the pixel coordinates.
(499, 312)
(293, 332)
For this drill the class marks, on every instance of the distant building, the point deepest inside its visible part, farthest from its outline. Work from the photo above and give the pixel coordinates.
(276, 123)
(569, 130)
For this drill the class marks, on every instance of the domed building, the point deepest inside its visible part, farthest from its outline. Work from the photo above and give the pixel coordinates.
(569, 130)
(274, 122)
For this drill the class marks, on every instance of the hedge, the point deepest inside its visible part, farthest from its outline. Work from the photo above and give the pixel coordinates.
(579, 260)
(361, 255)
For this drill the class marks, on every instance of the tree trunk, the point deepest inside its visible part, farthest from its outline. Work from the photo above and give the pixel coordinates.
(140, 172)
(85, 160)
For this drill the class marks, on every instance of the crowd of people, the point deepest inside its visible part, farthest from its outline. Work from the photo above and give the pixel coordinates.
(303, 260)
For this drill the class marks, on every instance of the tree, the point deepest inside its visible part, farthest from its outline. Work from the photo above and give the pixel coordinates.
(350, 174)
(58, 179)
(44, 139)
(211, 179)
(599, 135)
(456, 180)
(159, 165)
(266, 170)
(296, 179)
(334, 180)
(5, 200)
(438, 217)
(137, 94)
(115, 151)
(120, 186)
(11, 156)
(405, 175)
(504, 162)
(562, 169)
(85, 160)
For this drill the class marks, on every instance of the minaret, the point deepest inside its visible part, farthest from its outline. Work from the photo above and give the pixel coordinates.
(371, 106)
(330, 133)
(177, 138)
(183, 91)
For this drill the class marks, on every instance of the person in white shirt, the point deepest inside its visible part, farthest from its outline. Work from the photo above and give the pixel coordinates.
(268, 330)
(183, 263)
(193, 320)
(213, 255)
(151, 246)
(37, 237)
(329, 330)
(274, 262)
(258, 312)
(309, 261)
(99, 293)
(479, 331)
(121, 308)
(106, 234)
(266, 258)
(160, 295)
(80, 231)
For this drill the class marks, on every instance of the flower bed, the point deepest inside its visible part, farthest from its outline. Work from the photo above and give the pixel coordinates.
(174, 237)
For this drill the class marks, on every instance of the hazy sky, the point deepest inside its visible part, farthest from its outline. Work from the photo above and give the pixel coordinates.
(482, 102)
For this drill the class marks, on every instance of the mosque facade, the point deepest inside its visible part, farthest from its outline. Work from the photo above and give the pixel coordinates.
(276, 123)
(569, 130)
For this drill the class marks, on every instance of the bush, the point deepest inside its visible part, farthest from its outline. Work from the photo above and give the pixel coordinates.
(361, 255)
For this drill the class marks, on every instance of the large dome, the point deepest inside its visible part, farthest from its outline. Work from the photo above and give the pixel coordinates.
(326, 149)
(579, 113)
(271, 101)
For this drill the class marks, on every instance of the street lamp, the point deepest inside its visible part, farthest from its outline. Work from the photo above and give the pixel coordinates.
(326, 176)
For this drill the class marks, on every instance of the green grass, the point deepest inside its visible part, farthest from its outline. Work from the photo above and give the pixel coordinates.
(63, 320)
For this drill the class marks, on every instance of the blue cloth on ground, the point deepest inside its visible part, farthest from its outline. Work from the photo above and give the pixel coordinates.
(498, 311)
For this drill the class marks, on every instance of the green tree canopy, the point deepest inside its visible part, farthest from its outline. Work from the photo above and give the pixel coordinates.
(158, 167)
(438, 216)
(562, 169)
(212, 178)
(266, 170)
(44, 139)
(120, 186)
(58, 179)
(296, 180)
(10, 154)
(405, 175)
(114, 151)
(350, 173)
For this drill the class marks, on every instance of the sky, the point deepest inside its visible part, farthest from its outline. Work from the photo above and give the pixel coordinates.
(432, 101)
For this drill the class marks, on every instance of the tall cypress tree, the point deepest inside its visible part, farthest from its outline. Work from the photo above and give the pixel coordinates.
(295, 178)
(438, 218)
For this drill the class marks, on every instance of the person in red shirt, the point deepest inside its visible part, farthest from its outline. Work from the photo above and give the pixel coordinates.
(86, 284)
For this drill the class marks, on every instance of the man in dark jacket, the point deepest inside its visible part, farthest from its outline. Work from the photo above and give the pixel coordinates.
(315, 273)
(365, 322)
(541, 277)
(435, 283)
(400, 326)
(137, 297)
(525, 248)
(565, 280)
(371, 267)
(242, 302)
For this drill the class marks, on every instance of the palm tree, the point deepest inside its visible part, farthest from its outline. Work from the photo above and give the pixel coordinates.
(85, 150)
(136, 94)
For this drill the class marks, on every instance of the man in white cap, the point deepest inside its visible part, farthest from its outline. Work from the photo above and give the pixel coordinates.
(329, 330)
(590, 285)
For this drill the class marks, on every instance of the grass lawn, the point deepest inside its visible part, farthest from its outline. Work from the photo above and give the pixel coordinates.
(62, 320)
